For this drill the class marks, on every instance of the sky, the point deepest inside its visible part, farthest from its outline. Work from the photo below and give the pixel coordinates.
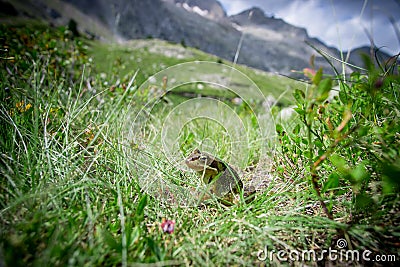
(344, 24)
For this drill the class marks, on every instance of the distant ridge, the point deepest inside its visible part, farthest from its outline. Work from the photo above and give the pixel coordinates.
(269, 43)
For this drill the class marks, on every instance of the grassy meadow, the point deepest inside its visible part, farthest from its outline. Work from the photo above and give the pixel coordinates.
(94, 136)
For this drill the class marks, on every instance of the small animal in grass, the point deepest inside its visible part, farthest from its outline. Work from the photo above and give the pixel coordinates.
(222, 179)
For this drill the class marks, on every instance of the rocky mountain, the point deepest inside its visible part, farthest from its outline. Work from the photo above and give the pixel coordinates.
(174, 23)
(250, 38)
(280, 47)
(355, 56)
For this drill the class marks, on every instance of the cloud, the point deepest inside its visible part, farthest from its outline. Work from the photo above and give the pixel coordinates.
(347, 34)
(234, 7)
(344, 30)
(339, 23)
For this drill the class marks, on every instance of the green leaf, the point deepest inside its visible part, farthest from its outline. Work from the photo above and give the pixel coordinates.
(368, 63)
(296, 139)
(279, 129)
(323, 89)
(254, 121)
(318, 144)
(343, 96)
(363, 202)
(155, 248)
(299, 111)
(363, 131)
(339, 163)
(299, 96)
(190, 137)
(359, 173)
(285, 139)
(332, 182)
(318, 76)
(274, 110)
(355, 76)
(110, 241)
(141, 206)
(391, 181)
(133, 236)
(296, 129)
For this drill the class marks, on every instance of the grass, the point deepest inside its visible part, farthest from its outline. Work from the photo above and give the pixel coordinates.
(152, 56)
(86, 181)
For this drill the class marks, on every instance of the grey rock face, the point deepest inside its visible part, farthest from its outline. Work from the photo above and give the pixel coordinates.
(268, 43)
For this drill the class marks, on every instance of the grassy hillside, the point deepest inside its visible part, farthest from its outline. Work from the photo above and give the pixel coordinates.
(151, 56)
(93, 141)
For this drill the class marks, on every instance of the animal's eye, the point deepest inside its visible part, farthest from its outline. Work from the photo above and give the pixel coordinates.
(204, 158)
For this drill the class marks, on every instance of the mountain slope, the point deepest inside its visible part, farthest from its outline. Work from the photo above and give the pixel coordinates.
(356, 58)
(251, 37)
(269, 44)
(279, 46)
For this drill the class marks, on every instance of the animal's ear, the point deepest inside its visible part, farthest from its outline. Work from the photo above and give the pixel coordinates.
(196, 151)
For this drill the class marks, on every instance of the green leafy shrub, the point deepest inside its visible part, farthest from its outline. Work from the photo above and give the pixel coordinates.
(349, 144)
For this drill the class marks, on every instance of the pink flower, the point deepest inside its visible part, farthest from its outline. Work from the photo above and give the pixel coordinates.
(167, 226)
(310, 73)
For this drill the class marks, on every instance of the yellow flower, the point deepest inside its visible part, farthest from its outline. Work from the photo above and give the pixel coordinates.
(21, 107)
(28, 106)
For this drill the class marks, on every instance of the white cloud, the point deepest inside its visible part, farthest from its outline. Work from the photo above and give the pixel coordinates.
(235, 6)
(307, 14)
(347, 34)
(339, 30)
(384, 34)
(337, 23)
